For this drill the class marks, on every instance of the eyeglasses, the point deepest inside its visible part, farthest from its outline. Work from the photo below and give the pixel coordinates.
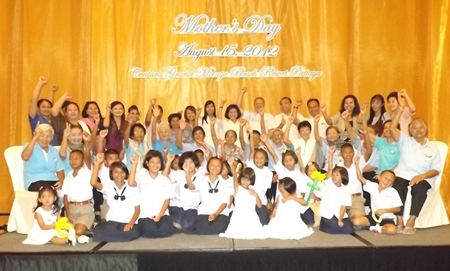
(213, 190)
(122, 197)
(186, 186)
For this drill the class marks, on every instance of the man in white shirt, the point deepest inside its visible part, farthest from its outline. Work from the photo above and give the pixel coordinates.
(314, 108)
(259, 120)
(286, 111)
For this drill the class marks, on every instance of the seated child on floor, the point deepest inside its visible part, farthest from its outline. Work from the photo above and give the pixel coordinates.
(156, 192)
(45, 216)
(335, 200)
(385, 202)
(123, 201)
(213, 213)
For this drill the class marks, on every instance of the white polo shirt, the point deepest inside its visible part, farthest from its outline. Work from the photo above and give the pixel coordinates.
(333, 198)
(293, 132)
(254, 119)
(384, 199)
(78, 188)
(417, 159)
(154, 192)
(354, 185)
(121, 210)
(307, 148)
(263, 179)
(212, 195)
(184, 197)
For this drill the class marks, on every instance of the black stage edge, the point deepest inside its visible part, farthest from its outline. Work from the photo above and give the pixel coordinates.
(349, 258)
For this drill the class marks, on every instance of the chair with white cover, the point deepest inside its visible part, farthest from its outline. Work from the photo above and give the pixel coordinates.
(433, 212)
(21, 215)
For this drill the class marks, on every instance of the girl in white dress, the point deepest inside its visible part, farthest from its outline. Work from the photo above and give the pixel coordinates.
(45, 216)
(285, 222)
(244, 223)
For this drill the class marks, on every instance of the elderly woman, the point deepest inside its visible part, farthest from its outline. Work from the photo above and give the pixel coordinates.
(419, 163)
(42, 165)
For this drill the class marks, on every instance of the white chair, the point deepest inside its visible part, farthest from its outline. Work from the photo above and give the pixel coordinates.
(21, 215)
(433, 212)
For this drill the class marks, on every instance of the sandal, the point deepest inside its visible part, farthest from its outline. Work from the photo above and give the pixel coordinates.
(400, 229)
(409, 230)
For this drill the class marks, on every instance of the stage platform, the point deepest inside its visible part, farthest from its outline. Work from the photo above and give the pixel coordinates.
(428, 249)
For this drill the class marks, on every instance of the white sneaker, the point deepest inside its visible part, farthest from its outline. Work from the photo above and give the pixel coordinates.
(83, 239)
(72, 237)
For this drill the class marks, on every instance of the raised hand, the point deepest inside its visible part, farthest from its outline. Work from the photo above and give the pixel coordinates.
(244, 90)
(283, 121)
(131, 120)
(108, 109)
(156, 111)
(345, 114)
(356, 160)
(263, 138)
(54, 88)
(332, 149)
(298, 151)
(86, 136)
(103, 133)
(290, 119)
(298, 103)
(222, 102)
(213, 121)
(363, 108)
(42, 80)
(317, 118)
(182, 124)
(323, 107)
(153, 101)
(97, 118)
(170, 157)
(67, 96)
(134, 160)
(198, 111)
(100, 158)
(67, 130)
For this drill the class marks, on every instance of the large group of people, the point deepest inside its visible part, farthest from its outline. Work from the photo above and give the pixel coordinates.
(234, 172)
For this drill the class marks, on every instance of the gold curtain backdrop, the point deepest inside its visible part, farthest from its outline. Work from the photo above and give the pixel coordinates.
(363, 47)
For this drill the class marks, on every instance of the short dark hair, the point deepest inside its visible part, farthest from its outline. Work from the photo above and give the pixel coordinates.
(248, 173)
(343, 172)
(303, 124)
(40, 101)
(233, 106)
(119, 165)
(188, 155)
(198, 128)
(289, 185)
(77, 151)
(289, 153)
(151, 154)
(346, 146)
(389, 171)
(109, 152)
(173, 115)
(332, 127)
(312, 100)
(286, 98)
(136, 125)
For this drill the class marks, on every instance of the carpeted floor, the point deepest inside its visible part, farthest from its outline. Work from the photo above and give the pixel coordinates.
(12, 243)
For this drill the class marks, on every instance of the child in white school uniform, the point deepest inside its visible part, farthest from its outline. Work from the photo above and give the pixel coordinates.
(212, 215)
(227, 175)
(385, 202)
(183, 207)
(357, 209)
(335, 200)
(285, 222)
(259, 162)
(156, 192)
(77, 192)
(45, 216)
(244, 224)
(286, 168)
(123, 201)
